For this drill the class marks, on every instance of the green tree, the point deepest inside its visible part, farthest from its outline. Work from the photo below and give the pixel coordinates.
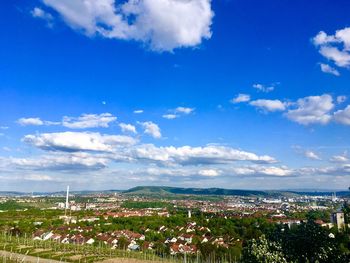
(262, 250)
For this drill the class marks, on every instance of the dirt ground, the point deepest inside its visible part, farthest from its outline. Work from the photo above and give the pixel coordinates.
(31, 259)
(127, 260)
(26, 259)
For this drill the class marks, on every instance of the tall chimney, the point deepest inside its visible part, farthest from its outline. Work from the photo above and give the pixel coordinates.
(67, 198)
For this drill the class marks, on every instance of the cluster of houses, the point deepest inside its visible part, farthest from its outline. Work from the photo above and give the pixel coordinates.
(83, 235)
(180, 243)
(134, 213)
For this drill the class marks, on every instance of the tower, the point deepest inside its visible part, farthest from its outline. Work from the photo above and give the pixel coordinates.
(67, 200)
(337, 219)
(189, 214)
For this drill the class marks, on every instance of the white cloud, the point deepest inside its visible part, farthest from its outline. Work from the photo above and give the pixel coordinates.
(241, 98)
(187, 155)
(138, 111)
(311, 155)
(163, 25)
(328, 69)
(306, 153)
(78, 141)
(340, 58)
(88, 121)
(3, 127)
(269, 105)
(61, 161)
(343, 116)
(209, 172)
(184, 110)
(335, 48)
(152, 129)
(312, 110)
(170, 116)
(176, 113)
(340, 170)
(322, 38)
(82, 122)
(30, 121)
(40, 13)
(127, 128)
(341, 99)
(263, 171)
(263, 88)
(343, 158)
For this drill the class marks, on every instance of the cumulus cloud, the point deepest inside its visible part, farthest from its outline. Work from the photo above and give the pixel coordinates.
(78, 141)
(176, 113)
(335, 48)
(88, 121)
(340, 170)
(152, 129)
(82, 122)
(138, 111)
(187, 155)
(341, 58)
(66, 161)
(209, 172)
(305, 111)
(162, 25)
(263, 88)
(328, 69)
(343, 116)
(30, 121)
(312, 110)
(281, 171)
(269, 105)
(127, 128)
(240, 98)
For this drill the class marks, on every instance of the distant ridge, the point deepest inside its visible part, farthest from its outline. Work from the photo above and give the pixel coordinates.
(167, 190)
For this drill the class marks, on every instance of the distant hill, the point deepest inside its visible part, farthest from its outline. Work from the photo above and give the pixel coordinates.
(166, 190)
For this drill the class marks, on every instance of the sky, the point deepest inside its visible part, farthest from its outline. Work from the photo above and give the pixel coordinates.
(239, 94)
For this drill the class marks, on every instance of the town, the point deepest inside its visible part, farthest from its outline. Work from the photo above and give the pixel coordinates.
(175, 226)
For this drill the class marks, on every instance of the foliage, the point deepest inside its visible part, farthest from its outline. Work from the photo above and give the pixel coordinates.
(11, 205)
(262, 250)
(304, 243)
(141, 205)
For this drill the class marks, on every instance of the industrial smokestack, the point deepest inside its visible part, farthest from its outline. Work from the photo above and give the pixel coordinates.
(67, 198)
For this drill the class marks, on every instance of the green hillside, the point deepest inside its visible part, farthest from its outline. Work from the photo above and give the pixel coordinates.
(165, 190)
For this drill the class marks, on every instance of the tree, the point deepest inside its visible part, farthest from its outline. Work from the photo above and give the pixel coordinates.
(263, 251)
(309, 242)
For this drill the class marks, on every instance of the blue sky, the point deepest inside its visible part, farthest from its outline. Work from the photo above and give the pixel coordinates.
(235, 94)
